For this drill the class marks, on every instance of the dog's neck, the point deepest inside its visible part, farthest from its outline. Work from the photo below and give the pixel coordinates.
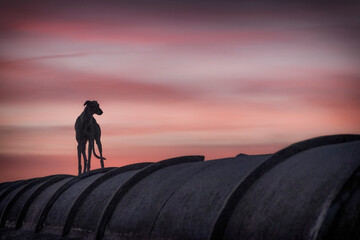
(87, 115)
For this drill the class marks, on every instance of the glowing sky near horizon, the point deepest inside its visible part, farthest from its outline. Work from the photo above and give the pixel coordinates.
(173, 79)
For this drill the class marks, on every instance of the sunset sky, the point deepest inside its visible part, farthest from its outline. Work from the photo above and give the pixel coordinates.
(173, 78)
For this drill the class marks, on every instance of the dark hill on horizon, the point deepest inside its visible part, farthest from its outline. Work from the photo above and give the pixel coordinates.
(309, 190)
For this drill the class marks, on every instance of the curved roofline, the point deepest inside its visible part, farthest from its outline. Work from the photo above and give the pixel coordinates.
(322, 228)
(62, 189)
(14, 186)
(28, 185)
(124, 188)
(280, 156)
(86, 192)
(37, 192)
(232, 197)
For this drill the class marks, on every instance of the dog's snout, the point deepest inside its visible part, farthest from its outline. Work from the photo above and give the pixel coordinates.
(99, 112)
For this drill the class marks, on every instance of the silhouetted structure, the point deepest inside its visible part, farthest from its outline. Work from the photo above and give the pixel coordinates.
(309, 190)
(88, 130)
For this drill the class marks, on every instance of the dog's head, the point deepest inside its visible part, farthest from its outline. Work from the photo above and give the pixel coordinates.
(94, 107)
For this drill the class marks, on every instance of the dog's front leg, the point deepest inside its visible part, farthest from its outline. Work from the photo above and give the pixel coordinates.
(83, 149)
(90, 148)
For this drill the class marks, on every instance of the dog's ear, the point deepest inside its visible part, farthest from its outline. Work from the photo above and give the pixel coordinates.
(87, 102)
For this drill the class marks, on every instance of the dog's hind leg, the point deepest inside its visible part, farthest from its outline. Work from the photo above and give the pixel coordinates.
(98, 143)
(79, 150)
(83, 149)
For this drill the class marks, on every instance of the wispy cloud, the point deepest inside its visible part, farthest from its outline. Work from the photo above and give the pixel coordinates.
(33, 82)
(35, 58)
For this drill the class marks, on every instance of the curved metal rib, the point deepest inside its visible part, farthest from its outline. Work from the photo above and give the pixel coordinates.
(32, 197)
(14, 186)
(29, 184)
(76, 206)
(323, 227)
(62, 189)
(227, 211)
(123, 189)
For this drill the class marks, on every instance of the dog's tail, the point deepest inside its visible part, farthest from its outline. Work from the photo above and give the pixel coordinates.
(96, 154)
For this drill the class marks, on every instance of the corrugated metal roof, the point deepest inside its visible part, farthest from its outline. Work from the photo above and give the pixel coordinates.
(309, 190)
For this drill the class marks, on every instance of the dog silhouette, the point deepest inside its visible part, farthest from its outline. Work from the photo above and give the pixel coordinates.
(88, 130)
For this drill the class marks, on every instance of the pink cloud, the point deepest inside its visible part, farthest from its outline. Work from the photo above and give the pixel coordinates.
(145, 33)
(171, 23)
(24, 81)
